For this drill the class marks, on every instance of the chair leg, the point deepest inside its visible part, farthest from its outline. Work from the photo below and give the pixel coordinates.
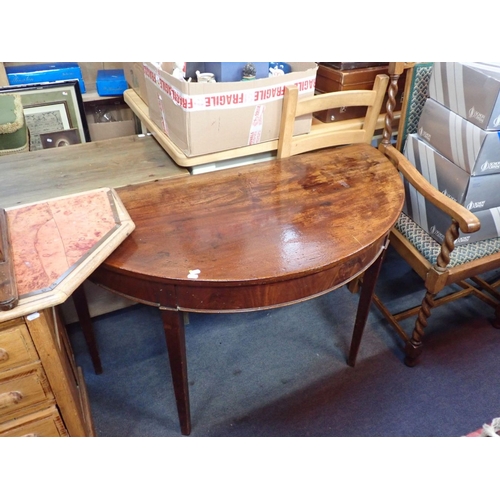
(414, 347)
(82, 310)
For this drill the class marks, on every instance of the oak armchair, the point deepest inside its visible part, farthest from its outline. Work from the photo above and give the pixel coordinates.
(438, 265)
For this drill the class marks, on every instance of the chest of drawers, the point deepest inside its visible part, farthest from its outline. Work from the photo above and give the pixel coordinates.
(42, 391)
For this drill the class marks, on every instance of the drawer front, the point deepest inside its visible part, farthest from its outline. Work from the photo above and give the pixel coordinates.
(45, 423)
(16, 347)
(23, 390)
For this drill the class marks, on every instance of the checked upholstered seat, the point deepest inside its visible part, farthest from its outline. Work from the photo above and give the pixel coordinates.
(430, 248)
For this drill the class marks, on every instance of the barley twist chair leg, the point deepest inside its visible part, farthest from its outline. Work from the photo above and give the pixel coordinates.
(414, 346)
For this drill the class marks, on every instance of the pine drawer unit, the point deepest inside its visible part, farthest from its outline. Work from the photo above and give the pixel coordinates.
(42, 392)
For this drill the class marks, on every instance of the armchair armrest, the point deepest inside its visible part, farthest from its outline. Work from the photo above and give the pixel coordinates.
(466, 220)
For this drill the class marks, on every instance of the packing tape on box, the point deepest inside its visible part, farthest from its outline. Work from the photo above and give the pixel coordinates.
(164, 125)
(227, 100)
(256, 126)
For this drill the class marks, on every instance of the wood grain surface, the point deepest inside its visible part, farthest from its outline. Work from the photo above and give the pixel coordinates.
(316, 219)
(44, 174)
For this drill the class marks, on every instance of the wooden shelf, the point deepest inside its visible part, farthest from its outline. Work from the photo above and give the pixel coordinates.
(140, 108)
(92, 96)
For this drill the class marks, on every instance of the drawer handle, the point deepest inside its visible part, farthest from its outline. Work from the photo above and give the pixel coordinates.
(10, 398)
(4, 355)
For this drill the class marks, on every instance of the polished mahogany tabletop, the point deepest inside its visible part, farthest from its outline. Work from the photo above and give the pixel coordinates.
(253, 237)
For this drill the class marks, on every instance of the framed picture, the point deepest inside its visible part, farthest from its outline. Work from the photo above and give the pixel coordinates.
(60, 138)
(52, 107)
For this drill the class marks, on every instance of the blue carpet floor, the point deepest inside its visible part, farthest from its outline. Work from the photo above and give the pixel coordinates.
(283, 372)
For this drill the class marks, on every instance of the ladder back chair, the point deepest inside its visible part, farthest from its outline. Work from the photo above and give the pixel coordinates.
(329, 134)
(440, 266)
(337, 134)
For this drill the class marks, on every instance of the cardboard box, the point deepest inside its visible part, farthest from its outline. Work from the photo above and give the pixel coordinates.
(111, 82)
(45, 72)
(202, 118)
(450, 180)
(475, 193)
(134, 74)
(109, 119)
(436, 223)
(471, 90)
(475, 150)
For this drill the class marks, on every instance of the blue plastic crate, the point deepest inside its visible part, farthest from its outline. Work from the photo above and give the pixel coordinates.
(46, 72)
(111, 82)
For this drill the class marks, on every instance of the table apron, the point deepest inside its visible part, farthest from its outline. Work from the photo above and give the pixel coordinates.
(207, 297)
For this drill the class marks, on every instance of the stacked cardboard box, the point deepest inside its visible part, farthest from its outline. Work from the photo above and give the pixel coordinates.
(457, 148)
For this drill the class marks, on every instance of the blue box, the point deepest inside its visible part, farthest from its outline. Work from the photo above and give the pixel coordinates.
(47, 72)
(233, 71)
(111, 82)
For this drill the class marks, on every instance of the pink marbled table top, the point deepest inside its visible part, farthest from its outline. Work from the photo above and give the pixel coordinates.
(49, 238)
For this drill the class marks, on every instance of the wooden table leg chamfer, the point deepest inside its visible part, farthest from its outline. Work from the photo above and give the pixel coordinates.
(173, 324)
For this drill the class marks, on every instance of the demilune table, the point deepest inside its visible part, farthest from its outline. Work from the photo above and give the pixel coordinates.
(255, 237)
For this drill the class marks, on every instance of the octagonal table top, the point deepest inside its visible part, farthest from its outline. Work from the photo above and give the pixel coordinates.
(56, 244)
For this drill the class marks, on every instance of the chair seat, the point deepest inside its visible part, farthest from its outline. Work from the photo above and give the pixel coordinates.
(430, 248)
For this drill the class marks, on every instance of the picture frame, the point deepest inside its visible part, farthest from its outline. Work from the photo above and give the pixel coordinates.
(52, 107)
(60, 138)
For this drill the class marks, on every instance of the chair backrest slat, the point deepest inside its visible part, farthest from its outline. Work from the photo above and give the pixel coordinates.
(330, 134)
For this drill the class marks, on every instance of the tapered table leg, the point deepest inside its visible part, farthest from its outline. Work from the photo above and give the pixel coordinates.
(173, 324)
(82, 311)
(367, 289)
